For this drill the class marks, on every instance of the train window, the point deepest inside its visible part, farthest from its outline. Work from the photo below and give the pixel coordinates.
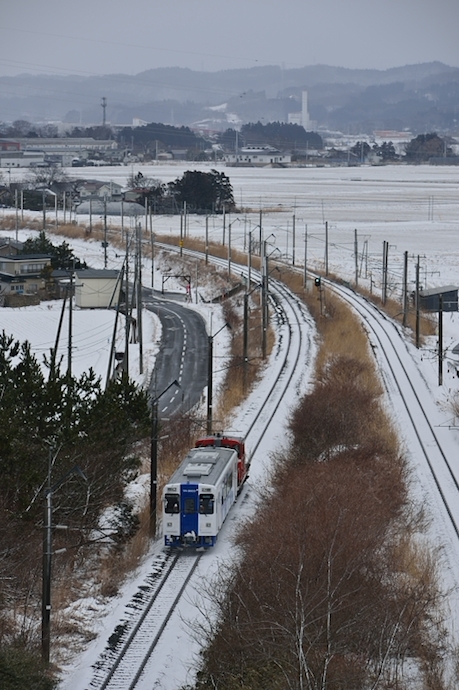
(190, 506)
(206, 504)
(172, 504)
(227, 485)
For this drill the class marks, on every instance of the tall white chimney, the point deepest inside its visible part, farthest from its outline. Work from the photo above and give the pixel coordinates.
(304, 110)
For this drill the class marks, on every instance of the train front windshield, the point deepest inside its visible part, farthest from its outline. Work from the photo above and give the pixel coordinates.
(172, 504)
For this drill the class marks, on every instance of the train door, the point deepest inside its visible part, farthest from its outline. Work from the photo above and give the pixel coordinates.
(189, 509)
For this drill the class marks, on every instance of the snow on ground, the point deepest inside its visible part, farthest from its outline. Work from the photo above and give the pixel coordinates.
(414, 209)
(92, 333)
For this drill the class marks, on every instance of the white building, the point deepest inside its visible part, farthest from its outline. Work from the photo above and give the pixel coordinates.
(64, 149)
(97, 289)
(257, 155)
(21, 159)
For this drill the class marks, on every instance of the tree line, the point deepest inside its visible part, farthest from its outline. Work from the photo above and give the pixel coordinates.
(280, 135)
(202, 192)
(148, 139)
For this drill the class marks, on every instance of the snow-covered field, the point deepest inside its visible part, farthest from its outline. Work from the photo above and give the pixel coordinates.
(92, 332)
(414, 209)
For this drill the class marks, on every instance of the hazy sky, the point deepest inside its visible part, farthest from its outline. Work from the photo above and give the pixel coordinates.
(108, 36)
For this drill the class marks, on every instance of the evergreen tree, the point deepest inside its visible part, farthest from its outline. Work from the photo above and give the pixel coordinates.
(68, 419)
(385, 151)
(203, 191)
(425, 146)
(62, 256)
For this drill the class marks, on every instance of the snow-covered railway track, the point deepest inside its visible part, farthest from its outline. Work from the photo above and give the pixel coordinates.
(295, 330)
(127, 668)
(425, 436)
(137, 663)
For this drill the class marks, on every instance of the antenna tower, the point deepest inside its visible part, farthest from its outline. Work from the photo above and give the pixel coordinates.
(104, 105)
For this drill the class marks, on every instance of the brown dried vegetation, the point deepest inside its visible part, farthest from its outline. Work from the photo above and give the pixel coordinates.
(340, 594)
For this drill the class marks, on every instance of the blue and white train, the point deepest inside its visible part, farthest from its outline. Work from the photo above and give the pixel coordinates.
(200, 493)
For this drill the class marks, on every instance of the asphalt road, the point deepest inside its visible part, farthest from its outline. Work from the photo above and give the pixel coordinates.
(182, 357)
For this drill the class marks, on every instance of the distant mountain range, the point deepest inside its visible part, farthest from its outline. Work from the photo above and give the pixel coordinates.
(419, 98)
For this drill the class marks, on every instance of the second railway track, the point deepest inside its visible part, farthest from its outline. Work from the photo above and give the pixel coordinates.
(288, 368)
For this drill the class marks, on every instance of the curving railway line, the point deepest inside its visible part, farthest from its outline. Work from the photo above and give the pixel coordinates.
(136, 655)
(431, 445)
(142, 657)
(428, 439)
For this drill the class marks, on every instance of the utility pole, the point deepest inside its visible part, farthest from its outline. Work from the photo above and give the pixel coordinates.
(305, 276)
(229, 250)
(207, 239)
(44, 210)
(224, 224)
(46, 576)
(326, 248)
(245, 341)
(249, 261)
(152, 240)
(115, 327)
(356, 257)
(264, 301)
(293, 239)
(210, 355)
(417, 306)
(384, 271)
(139, 296)
(261, 230)
(69, 348)
(440, 340)
(17, 211)
(154, 466)
(181, 232)
(185, 219)
(105, 231)
(127, 321)
(47, 554)
(405, 288)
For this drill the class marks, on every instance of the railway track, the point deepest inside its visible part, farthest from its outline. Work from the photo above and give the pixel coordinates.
(429, 442)
(126, 664)
(134, 653)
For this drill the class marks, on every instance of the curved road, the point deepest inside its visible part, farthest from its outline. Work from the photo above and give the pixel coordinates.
(182, 356)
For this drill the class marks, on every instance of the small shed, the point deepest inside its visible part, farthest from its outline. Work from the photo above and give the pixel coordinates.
(430, 299)
(97, 288)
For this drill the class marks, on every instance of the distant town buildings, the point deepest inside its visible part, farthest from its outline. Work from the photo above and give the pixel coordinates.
(38, 151)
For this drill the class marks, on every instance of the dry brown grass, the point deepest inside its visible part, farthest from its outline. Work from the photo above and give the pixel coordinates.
(427, 325)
